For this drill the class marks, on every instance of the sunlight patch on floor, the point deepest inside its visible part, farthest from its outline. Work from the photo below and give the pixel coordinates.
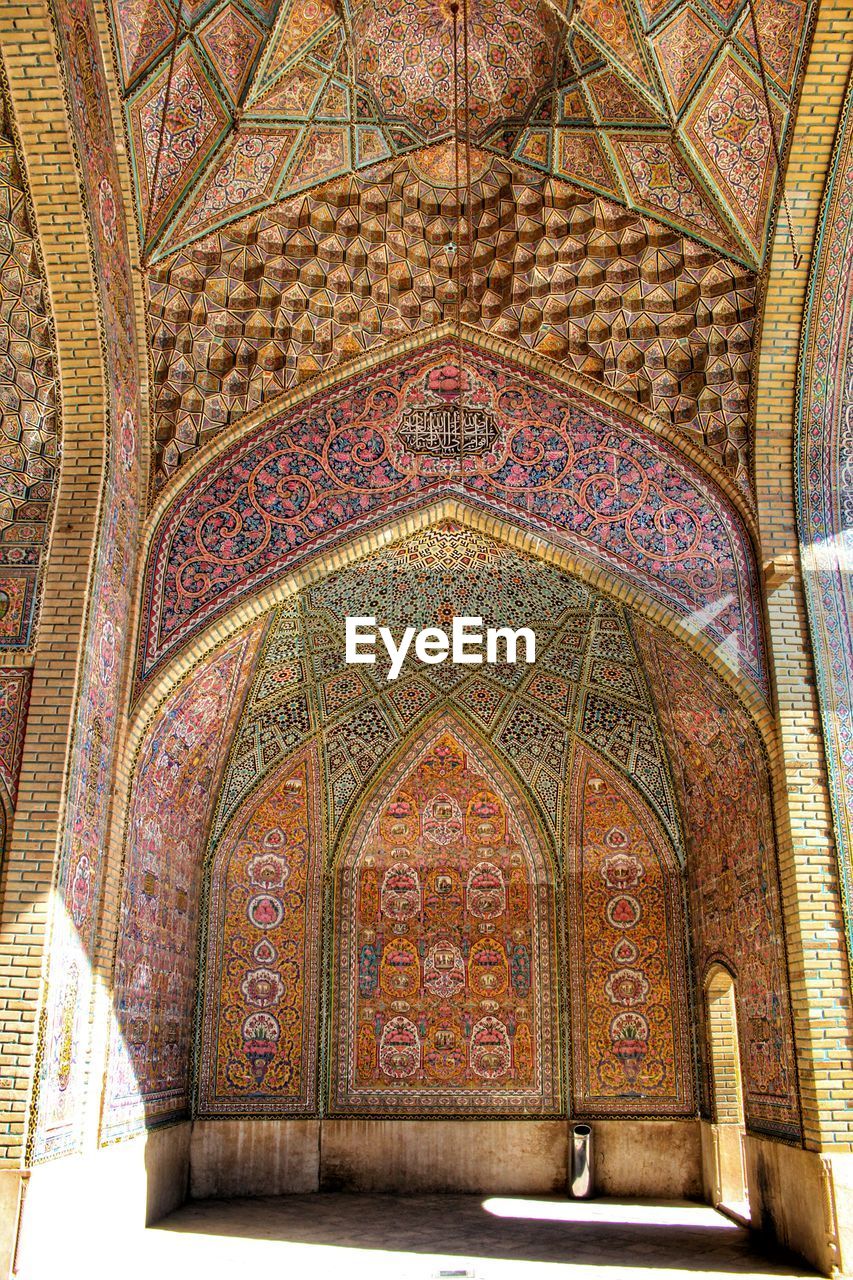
(215, 1258)
(615, 1213)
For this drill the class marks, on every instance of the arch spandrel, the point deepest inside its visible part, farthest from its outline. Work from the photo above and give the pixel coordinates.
(444, 949)
(566, 470)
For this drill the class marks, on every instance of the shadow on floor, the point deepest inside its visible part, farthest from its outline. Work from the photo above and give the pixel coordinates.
(604, 1233)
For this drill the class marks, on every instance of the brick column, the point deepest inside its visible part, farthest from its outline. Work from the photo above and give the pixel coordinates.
(38, 103)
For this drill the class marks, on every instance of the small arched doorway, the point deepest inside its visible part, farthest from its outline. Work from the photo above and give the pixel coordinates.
(728, 1175)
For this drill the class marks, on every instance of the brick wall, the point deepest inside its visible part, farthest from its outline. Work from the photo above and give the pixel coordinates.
(817, 953)
(725, 1059)
(39, 114)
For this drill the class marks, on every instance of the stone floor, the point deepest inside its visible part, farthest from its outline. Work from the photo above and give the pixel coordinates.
(353, 1237)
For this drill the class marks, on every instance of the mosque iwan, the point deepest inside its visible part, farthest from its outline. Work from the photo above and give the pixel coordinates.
(426, 639)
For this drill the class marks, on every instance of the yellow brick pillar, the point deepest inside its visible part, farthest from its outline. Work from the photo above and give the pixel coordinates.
(803, 1196)
(40, 121)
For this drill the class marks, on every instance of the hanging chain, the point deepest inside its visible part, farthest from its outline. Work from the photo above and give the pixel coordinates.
(352, 50)
(462, 138)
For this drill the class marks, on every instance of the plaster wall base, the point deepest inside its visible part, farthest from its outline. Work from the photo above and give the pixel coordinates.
(81, 1212)
(412, 1156)
(658, 1159)
(254, 1157)
(723, 1173)
(12, 1188)
(803, 1199)
(275, 1157)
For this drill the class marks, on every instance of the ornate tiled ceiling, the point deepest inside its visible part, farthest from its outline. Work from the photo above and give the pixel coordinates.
(405, 58)
(658, 105)
(323, 277)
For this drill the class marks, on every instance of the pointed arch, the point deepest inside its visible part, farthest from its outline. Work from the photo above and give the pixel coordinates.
(331, 470)
(444, 980)
(395, 528)
(729, 1185)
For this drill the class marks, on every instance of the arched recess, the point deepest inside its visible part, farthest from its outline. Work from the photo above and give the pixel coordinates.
(261, 951)
(155, 973)
(444, 978)
(729, 1186)
(593, 668)
(632, 1044)
(586, 685)
(563, 695)
(598, 480)
(724, 785)
(810, 874)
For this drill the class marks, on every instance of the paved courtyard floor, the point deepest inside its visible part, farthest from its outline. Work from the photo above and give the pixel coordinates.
(381, 1237)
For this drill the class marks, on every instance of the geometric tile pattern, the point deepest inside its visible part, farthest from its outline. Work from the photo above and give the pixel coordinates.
(272, 301)
(605, 487)
(824, 461)
(730, 133)
(661, 181)
(723, 785)
(404, 57)
(358, 82)
(684, 47)
(175, 126)
(781, 24)
(29, 420)
(144, 30)
(231, 40)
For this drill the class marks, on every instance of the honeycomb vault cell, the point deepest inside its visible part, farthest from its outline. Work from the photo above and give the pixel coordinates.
(290, 292)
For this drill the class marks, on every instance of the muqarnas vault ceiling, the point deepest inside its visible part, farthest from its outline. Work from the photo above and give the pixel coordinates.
(323, 278)
(295, 189)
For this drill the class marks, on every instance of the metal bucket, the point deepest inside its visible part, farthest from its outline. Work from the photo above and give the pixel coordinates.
(581, 1175)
